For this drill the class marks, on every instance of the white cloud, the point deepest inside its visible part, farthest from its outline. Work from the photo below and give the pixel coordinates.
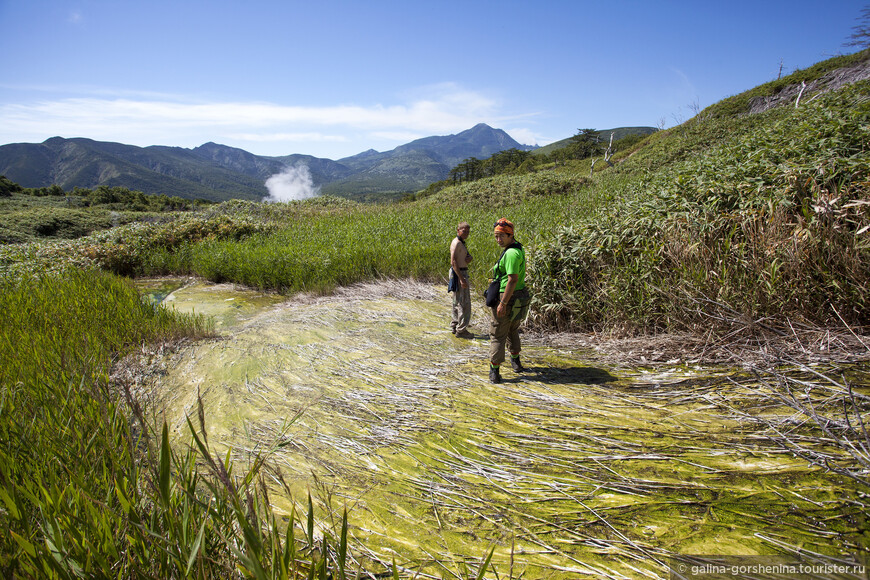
(423, 115)
(525, 136)
(288, 137)
(400, 136)
(161, 119)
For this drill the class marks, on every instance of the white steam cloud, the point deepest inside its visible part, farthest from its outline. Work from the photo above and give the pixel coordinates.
(293, 183)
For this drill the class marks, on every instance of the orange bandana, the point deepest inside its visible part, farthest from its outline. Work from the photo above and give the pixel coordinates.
(504, 226)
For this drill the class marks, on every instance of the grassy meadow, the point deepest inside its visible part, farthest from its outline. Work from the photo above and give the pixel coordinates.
(759, 217)
(726, 221)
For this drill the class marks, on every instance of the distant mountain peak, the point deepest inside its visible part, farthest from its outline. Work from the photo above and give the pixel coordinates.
(219, 172)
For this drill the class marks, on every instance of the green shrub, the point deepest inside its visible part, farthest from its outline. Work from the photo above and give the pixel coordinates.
(125, 250)
(52, 222)
(8, 187)
(509, 189)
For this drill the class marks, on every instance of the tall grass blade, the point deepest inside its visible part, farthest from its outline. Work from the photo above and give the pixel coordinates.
(485, 565)
(310, 524)
(194, 551)
(164, 473)
(342, 546)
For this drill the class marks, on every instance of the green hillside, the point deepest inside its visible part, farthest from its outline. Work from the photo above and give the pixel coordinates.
(604, 135)
(728, 218)
(172, 171)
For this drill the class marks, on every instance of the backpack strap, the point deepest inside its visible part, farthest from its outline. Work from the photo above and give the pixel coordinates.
(517, 246)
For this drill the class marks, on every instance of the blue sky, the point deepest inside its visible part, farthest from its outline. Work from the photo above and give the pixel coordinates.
(335, 78)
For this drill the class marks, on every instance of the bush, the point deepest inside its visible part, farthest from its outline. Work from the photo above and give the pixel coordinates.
(7, 187)
(51, 222)
(125, 250)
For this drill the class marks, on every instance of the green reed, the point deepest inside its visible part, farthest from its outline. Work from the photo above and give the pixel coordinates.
(87, 489)
(318, 253)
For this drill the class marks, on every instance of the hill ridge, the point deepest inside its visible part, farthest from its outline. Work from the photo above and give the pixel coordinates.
(220, 172)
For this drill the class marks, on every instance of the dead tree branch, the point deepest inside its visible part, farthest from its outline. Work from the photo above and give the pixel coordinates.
(798, 101)
(609, 153)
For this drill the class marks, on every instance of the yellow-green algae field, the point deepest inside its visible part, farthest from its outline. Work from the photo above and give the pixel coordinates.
(568, 470)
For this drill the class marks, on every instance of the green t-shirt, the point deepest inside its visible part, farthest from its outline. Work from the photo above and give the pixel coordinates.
(513, 262)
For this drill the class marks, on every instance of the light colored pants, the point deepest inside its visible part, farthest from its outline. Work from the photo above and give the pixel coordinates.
(505, 332)
(461, 307)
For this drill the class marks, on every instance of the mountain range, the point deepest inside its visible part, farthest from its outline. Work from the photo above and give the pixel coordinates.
(218, 172)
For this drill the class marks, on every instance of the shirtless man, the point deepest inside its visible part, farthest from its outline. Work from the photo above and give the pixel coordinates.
(459, 261)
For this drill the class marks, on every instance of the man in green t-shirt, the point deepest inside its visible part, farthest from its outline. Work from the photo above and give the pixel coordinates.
(513, 304)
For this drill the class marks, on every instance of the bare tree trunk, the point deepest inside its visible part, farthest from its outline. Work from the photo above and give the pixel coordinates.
(798, 101)
(609, 153)
(593, 166)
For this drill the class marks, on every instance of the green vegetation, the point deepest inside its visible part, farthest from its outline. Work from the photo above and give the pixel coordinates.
(739, 104)
(621, 135)
(126, 250)
(769, 223)
(53, 222)
(473, 169)
(7, 187)
(371, 190)
(585, 144)
(86, 488)
(31, 214)
(728, 217)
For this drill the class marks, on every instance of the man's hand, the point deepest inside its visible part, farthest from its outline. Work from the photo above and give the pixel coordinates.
(502, 309)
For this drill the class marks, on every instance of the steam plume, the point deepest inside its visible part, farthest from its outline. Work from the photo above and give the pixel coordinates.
(291, 184)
